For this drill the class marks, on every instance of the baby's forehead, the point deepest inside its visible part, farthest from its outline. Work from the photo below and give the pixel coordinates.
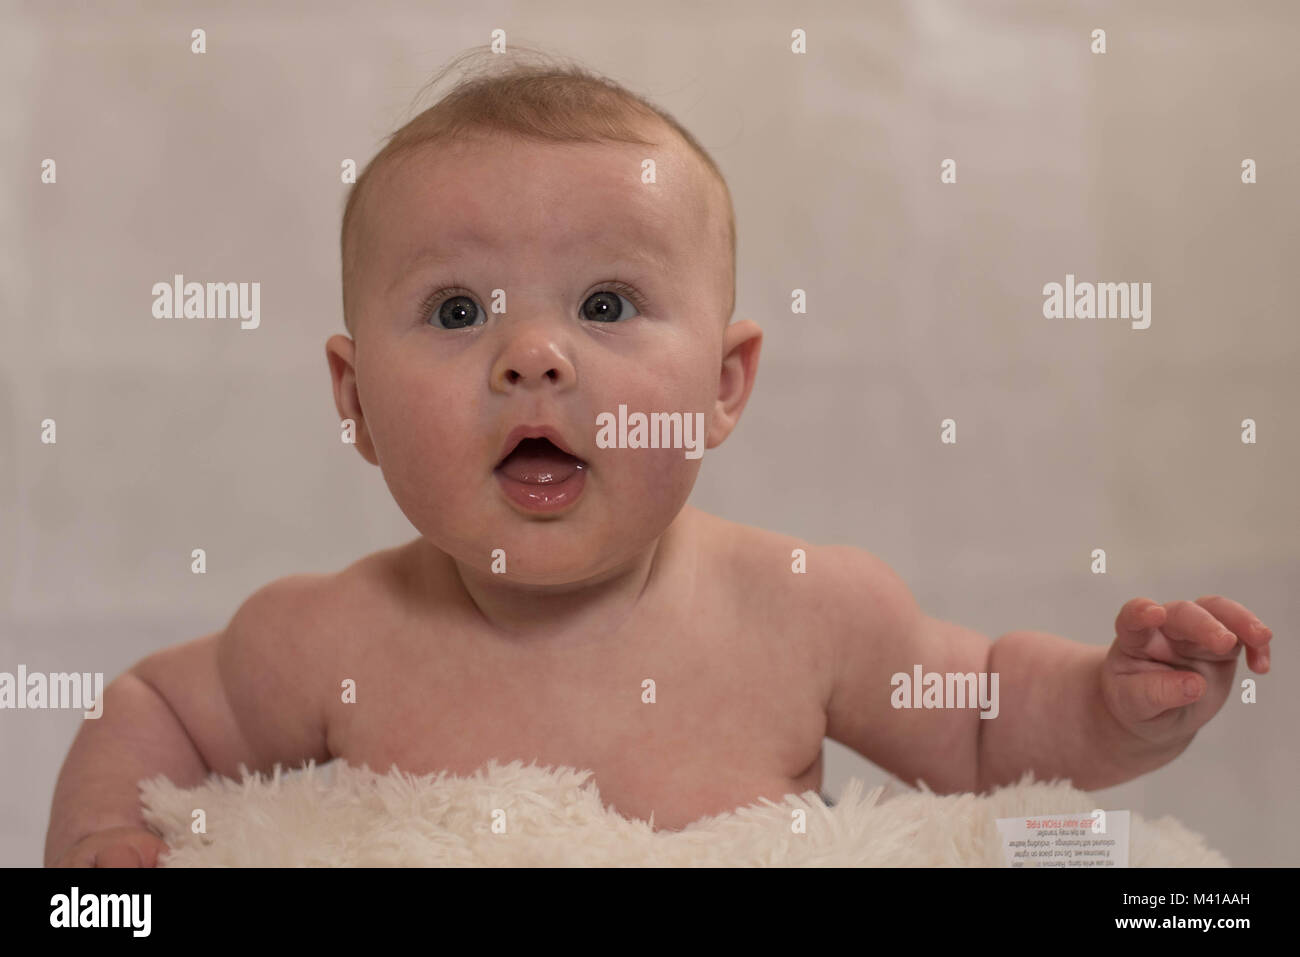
(655, 177)
(517, 187)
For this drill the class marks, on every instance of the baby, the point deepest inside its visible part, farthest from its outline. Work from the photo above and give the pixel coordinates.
(537, 256)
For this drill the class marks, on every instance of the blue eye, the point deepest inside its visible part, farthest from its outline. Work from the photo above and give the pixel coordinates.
(459, 312)
(607, 306)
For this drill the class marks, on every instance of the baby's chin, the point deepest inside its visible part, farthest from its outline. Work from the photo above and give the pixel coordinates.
(559, 559)
(561, 552)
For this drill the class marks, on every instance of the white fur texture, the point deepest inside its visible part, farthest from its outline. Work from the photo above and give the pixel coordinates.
(336, 815)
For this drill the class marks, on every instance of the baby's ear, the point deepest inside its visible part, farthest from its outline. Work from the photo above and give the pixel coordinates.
(340, 352)
(740, 347)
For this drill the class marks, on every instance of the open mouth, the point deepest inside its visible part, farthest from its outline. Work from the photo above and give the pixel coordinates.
(539, 476)
(539, 461)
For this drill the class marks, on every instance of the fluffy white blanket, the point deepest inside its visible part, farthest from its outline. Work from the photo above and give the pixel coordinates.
(336, 815)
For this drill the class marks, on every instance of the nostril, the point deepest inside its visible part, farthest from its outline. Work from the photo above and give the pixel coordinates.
(513, 375)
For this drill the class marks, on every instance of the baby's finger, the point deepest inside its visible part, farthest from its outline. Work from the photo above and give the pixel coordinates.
(1193, 625)
(119, 855)
(1143, 695)
(1253, 632)
(76, 857)
(1136, 622)
(1257, 659)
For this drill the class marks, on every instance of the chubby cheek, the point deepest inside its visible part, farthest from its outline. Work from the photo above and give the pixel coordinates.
(653, 483)
(426, 446)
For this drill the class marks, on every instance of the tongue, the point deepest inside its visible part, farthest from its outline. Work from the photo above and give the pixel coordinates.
(539, 465)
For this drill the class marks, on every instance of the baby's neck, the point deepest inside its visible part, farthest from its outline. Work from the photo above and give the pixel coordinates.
(572, 614)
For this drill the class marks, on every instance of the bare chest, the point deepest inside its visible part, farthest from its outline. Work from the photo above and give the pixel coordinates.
(681, 725)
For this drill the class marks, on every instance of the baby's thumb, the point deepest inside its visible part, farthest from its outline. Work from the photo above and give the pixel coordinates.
(1147, 694)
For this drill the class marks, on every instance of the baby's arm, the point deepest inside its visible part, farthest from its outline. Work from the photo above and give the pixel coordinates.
(1053, 715)
(1054, 719)
(1169, 670)
(236, 696)
(876, 631)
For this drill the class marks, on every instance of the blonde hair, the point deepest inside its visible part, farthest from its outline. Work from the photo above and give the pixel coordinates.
(535, 96)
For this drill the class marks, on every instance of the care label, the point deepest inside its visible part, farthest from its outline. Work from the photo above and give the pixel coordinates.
(1096, 839)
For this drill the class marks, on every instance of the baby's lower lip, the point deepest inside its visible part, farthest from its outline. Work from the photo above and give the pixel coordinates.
(544, 491)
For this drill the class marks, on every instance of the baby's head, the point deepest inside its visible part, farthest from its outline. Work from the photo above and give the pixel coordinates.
(538, 248)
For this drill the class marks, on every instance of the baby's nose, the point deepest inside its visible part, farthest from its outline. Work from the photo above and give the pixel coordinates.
(532, 365)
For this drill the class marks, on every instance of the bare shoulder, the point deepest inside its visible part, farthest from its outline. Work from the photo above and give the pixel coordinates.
(277, 653)
(822, 596)
(846, 604)
(297, 615)
(252, 693)
(741, 556)
(832, 586)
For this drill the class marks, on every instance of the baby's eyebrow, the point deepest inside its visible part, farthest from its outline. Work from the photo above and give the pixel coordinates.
(433, 255)
(423, 257)
(642, 256)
